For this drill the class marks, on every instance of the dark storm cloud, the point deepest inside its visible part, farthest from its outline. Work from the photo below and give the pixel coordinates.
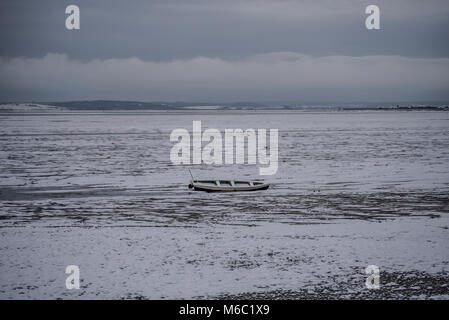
(259, 50)
(163, 30)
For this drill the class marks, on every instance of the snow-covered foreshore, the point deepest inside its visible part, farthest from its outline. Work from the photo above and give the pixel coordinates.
(99, 191)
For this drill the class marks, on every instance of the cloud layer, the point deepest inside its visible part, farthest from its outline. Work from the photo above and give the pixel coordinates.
(162, 30)
(277, 76)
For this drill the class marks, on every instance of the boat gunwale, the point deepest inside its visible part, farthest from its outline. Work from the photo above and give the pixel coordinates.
(257, 185)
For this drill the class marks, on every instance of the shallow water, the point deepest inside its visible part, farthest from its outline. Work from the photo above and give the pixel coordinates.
(72, 179)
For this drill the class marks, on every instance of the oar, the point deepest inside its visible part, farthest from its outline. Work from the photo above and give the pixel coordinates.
(191, 175)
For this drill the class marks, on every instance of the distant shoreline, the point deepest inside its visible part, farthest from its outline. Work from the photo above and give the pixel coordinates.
(130, 106)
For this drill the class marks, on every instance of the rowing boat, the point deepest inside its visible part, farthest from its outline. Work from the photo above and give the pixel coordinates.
(227, 185)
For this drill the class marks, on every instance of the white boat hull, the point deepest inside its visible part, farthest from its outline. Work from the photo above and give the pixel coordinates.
(228, 186)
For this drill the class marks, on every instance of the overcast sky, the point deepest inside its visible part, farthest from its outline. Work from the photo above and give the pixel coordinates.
(229, 50)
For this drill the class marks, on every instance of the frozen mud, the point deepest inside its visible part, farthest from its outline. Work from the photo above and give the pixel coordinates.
(98, 190)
